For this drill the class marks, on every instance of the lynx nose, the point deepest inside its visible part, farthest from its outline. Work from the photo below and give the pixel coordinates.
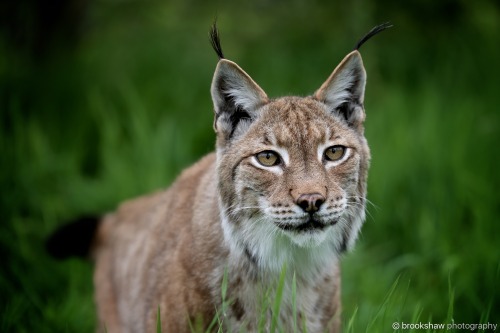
(310, 202)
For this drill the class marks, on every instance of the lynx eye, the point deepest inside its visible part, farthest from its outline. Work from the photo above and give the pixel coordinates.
(268, 158)
(334, 153)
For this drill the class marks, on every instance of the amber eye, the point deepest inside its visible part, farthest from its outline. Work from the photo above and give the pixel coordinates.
(268, 158)
(334, 153)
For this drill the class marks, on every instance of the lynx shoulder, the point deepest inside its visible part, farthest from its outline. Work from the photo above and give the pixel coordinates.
(284, 193)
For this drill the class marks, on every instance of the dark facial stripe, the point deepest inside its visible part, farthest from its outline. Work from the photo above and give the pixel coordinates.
(343, 245)
(250, 256)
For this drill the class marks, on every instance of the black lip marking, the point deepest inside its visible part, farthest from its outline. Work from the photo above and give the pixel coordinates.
(311, 225)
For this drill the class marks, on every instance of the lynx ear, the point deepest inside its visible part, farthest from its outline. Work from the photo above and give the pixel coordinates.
(236, 99)
(344, 91)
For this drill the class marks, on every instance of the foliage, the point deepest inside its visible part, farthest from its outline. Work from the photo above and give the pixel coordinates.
(119, 106)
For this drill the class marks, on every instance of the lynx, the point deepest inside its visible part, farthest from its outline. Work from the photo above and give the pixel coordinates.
(283, 196)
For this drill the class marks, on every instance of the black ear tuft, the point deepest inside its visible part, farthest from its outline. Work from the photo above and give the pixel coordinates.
(373, 32)
(215, 40)
(73, 239)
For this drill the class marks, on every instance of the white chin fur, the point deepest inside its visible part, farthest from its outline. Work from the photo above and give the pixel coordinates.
(307, 239)
(272, 248)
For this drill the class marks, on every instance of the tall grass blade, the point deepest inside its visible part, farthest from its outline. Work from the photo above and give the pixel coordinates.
(225, 301)
(451, 301)
(383, 308)
(405, 297)
(350, 324)
(220, 313)
(263, 312)
(158, 321)
(214, 321)
(294, 302)
(277, 300)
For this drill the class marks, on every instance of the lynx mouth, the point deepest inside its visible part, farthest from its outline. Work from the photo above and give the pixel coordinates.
(311, 225)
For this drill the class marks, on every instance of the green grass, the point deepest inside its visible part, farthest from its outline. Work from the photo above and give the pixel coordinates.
(128, 108)
(387, 316)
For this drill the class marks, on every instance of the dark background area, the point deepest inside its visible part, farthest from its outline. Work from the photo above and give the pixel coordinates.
(103, 100)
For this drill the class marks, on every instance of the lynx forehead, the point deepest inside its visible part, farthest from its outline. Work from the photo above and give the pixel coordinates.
(305, 125)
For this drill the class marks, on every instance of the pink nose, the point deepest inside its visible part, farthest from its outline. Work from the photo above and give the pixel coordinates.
(310, 202)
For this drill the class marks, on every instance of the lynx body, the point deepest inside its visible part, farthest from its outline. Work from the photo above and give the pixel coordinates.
(284, 191)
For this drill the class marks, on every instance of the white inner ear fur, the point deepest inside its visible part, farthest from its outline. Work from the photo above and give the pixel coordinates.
(345, 84)
(243, 95)
(238, 84)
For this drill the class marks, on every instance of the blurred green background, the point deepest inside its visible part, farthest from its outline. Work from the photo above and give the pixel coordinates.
(103, 100)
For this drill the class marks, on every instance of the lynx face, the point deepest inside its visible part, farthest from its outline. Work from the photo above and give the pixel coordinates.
(292, 171)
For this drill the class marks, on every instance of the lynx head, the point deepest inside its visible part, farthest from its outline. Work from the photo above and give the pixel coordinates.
(292, 170)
